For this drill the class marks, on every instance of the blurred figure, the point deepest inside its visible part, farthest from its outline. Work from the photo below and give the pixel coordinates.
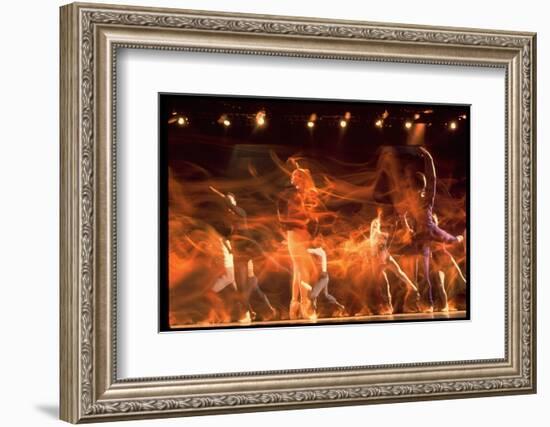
(447, 269)
(239, 263)
(321, 286)
(295, 209)
(381, 260)
(426, 231)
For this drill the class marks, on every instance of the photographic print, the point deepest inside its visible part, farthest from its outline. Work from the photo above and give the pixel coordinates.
(287, 211)
(308, 223)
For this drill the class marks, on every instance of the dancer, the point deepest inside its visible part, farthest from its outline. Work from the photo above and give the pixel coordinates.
(426, 230)
(381, 260)
(322, 283)
(242, 249)
(295, 211)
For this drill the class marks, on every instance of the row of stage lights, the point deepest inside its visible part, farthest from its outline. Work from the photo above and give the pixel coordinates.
(260, 120)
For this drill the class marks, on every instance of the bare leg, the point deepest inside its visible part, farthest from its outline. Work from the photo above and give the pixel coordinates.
(412, 296)
(451, 287)
(459, 271)
(387, 294)
(440, 290)
(440, 235)
(305, 266)
(396, 269)
(302, 264)
(442, 293)
(426, 252)
(294, 311)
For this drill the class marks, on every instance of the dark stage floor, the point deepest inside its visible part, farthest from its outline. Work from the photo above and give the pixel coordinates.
(454, 315)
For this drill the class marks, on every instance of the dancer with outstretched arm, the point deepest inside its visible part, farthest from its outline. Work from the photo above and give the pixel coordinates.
(427, 230)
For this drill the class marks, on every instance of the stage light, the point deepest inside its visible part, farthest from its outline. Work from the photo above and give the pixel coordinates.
(260, 118)
(452, 126)
(408, 125)
(416, 116)
(379, 123)
(178, 119)
(464, 116)
(224, 121)
(343, 123)
(311, 121)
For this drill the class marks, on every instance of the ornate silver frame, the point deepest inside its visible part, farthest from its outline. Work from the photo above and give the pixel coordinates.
(90, 36)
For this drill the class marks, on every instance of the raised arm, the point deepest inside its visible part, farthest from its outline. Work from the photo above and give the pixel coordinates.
(429, 171)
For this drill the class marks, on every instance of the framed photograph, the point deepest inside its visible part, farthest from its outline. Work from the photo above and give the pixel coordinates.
(265, 212)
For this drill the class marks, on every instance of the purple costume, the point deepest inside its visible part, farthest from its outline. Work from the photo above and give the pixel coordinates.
(427, 230)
